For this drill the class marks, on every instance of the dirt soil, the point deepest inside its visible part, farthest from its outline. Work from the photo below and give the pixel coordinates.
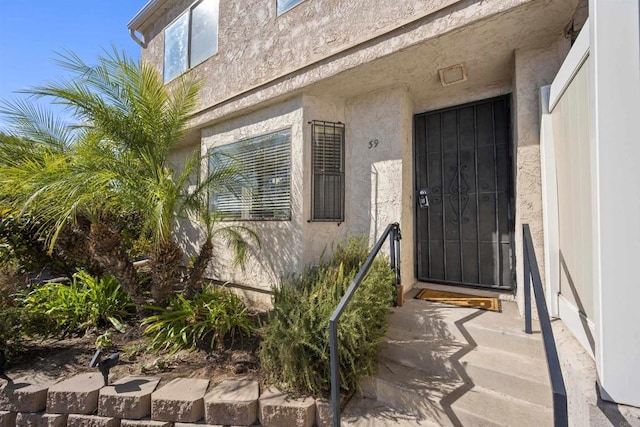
(63, 358)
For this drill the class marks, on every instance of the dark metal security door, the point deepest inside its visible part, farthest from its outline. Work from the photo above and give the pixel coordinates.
(464, 230)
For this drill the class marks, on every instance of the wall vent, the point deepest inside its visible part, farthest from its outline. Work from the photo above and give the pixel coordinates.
(453, 74)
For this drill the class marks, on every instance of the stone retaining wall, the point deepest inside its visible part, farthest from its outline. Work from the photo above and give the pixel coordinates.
(133, 401)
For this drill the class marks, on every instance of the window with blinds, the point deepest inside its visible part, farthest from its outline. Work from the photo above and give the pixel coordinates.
(327, 155)
(264, 191)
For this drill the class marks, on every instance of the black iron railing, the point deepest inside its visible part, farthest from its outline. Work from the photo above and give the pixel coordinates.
(393, 233)
(532, 273)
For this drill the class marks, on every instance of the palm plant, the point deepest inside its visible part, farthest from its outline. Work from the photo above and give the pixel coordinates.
(113, 163)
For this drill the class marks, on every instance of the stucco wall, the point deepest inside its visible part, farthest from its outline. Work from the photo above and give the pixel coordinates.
(533, 69)
(378, 127)
(257, 46)
(187, 233)
(282, 243)
(319, 237)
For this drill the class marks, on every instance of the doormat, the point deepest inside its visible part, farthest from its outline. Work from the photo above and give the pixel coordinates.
(462, 300)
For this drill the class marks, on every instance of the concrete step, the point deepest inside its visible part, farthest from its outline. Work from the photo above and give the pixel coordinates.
(279, 409)
(483, 407)
(418, 351)
(232, 402)
(77, 395)
(508, 373)
(181, 400)
(411, 390)
(505, 331)
(129, 397)
(444, 324)
(364, 412)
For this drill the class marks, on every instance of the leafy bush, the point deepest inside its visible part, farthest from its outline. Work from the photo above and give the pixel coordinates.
(295, 350)
(86, 302)
(211, 316)
(20, 245)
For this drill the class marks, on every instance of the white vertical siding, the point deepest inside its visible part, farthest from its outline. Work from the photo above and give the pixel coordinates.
(570, 119)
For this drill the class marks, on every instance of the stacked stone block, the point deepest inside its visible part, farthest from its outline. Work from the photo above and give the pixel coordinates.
(84, 400)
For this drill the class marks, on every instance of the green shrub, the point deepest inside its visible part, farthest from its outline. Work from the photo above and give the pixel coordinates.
(295, 350)
(207, 319)
(86, 302)
(21, 246)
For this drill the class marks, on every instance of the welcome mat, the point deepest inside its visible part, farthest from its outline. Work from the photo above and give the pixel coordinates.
(462, 300)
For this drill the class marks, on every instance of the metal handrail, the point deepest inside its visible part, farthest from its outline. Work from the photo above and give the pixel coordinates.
(392, 231)
(531, 272)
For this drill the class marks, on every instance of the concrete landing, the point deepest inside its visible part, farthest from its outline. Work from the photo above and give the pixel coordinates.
(232, 402)
(181, 400)
(129, 398)
(77, 395)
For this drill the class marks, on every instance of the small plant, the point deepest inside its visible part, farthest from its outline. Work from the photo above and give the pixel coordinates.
(295, 349)
(86, 302)
(134, 350)
(207, 319)
(104, 341)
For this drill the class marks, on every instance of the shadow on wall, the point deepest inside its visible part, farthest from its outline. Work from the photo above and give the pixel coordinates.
(189, 236)
(578, 301)
(278, 255)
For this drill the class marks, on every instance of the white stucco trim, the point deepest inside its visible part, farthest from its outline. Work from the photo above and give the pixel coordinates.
(571, 65)
(549, 204)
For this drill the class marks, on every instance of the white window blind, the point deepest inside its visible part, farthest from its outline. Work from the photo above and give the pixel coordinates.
(328, 171)
(264, 191)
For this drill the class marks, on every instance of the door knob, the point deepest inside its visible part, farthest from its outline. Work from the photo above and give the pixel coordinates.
(423, 198)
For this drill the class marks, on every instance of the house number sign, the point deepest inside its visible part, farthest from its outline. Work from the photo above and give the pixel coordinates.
(373, 143)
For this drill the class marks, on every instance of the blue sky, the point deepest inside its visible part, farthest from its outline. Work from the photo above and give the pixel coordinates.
(32, 30)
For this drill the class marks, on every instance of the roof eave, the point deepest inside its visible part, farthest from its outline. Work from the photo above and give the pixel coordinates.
(144, 14)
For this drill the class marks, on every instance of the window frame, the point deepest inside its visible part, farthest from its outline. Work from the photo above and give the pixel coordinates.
(189, 13)
(282, 12)
(260, 142)
(315, 217)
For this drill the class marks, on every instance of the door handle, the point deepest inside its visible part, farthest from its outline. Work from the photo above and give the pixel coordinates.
(423, 198)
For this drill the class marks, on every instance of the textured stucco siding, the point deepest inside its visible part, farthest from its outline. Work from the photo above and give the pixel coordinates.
(375, 88)
(281, 242)
(256, 46)
(375, 137)
(533, 69)
(319, 237)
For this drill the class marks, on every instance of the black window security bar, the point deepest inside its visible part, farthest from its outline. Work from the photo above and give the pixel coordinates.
(327, 180)
(532, 273)
(393, 233)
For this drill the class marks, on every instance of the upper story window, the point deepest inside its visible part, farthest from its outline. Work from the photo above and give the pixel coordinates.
(264, 191)
(284, 5)
(191, 38)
